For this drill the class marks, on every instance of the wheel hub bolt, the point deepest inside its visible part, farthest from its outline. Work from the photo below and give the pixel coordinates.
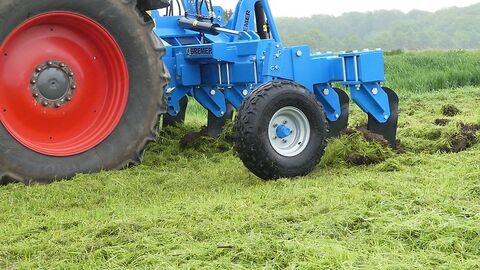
(284, 141)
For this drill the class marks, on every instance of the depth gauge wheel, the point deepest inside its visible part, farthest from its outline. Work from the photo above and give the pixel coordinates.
(281, 131)
(81, 87)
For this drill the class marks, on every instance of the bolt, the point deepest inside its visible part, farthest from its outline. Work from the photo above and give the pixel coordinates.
(284, 141)
(299, 53)
(275, 125)
(68, 98)
(337, 116)
(275, 137)
(213, 92)
(35, 95)
(375, 91)
(71, 74)
(38, 69)
(299, 143)
(50, 63)
(245, 92)
(45, 104)
(62, 65)
(33, 81)
(326, 92)
(386, 117)
(222, 113)
(285, 122)
(57, 105)
(277, 46)
(73, 87)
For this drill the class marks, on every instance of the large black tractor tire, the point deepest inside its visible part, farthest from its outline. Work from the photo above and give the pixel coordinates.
(137, 124)
(263, 143)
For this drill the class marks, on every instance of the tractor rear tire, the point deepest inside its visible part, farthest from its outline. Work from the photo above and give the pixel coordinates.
(81, 87)
(281, 131)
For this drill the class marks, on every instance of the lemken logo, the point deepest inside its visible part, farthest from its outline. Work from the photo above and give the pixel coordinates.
(199, 51)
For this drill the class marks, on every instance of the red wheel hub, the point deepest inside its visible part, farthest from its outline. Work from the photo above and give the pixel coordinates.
(82, 87)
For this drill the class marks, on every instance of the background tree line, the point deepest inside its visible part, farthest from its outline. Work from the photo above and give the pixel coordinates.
(452, 28)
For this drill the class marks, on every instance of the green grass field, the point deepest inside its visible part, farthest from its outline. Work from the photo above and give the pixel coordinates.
(199, 208)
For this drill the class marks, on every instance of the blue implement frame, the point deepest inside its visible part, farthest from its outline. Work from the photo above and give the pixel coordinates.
(223, 69)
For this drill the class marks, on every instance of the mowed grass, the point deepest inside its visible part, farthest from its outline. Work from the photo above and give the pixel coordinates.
(199, 208)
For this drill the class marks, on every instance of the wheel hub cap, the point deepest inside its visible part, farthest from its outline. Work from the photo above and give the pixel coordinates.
(283, 131)
(53, 84)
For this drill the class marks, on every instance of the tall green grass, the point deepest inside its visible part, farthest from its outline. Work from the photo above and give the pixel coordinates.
(419, 72)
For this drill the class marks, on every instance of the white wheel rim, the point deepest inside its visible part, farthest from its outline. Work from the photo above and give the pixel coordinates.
(293, 121)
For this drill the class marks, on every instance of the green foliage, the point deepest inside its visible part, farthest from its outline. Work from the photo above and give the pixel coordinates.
(453, 28)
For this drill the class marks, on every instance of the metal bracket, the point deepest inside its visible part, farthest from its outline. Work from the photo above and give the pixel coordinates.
(372, 99)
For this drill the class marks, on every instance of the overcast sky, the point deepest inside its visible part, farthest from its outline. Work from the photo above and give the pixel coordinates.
(299, 8)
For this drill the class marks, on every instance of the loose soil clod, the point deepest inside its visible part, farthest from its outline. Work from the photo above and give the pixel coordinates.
(463, 139)
(450, 110)
(191, 138)
(372, 137)
(441, 122)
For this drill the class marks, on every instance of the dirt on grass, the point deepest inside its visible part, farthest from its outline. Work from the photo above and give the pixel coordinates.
(450, 110)
(463, 139)
(441, 122)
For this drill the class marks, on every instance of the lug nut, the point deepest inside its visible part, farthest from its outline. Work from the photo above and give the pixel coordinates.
(35, 95)
(57, 105)
(71, 74)
(45, 104)
(73, 87)
(38, 69)
(284, 141)
(68, 99)
(50, 63)
(33, 81)
(62, 65)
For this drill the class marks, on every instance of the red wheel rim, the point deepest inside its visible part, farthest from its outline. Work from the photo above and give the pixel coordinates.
(101, 84)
